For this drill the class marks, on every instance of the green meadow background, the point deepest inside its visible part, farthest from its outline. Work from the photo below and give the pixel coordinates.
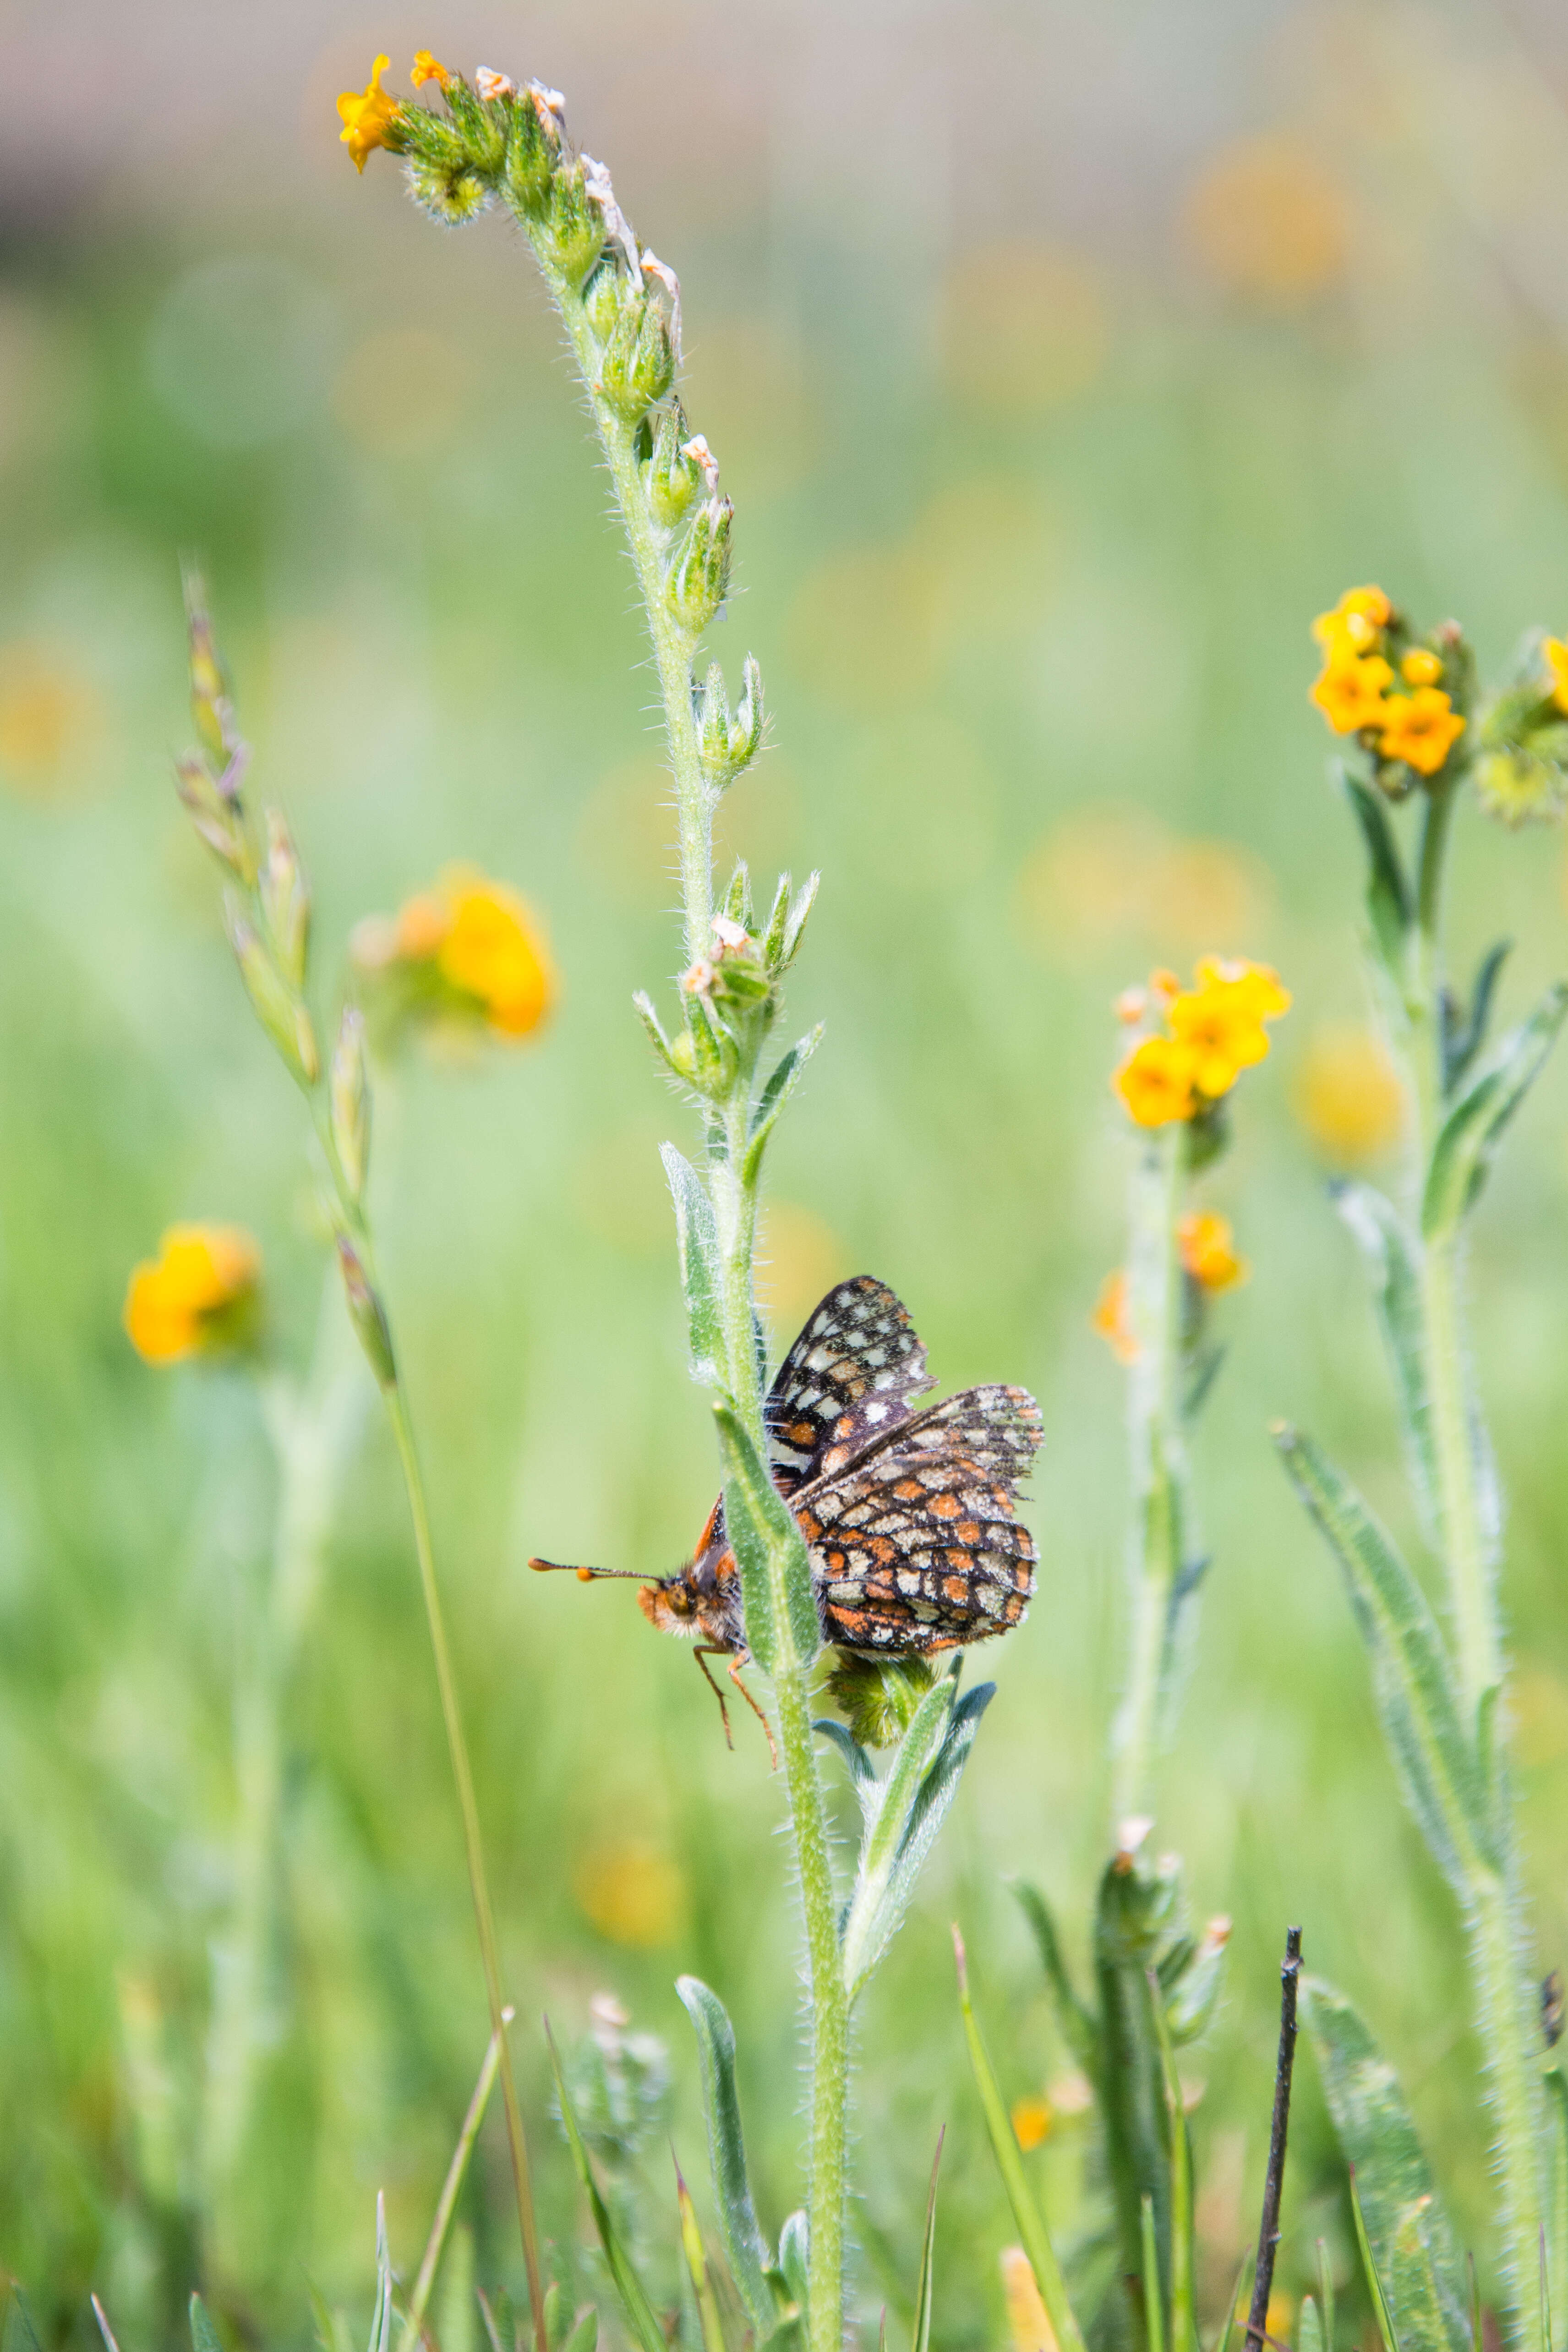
(1061, 362)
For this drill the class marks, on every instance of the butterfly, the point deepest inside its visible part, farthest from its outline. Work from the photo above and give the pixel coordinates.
(909, 1516)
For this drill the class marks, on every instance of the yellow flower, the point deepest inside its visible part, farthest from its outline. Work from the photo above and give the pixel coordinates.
(1420, 729)
(197, 1297)
(427, 68)
(1348, 1097)
(1157, 1082)
(1556, 654)
(1350, 690)
(1222, 1029)
(1257, 985)
(492, 951)
(367, 115)
(1356, 624)
(1032, 2120)
(1028, 2324)
(1204, 1240)
(1420, 667)
(1112, 1320)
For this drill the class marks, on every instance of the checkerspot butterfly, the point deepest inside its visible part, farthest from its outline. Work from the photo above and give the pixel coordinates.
(910, 1516)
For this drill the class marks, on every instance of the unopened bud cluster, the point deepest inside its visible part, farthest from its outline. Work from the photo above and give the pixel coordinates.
(732, 995)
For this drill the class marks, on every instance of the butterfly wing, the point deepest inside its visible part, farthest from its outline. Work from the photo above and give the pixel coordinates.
(845, 1383)
(915, 1542)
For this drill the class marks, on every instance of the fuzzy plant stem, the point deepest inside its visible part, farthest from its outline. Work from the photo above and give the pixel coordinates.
(1159, 1465)
(1496, 1928)
(311, 1433)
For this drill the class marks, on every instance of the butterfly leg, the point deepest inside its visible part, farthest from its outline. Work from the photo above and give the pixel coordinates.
(702, 1652)
(757, 1711)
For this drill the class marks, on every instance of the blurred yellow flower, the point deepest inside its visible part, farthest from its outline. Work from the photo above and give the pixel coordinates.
(1348, 1095)
(1256, 986)
(1420, 667)
(427, 68)
(632, 1893)
(1157, 1082)
(1022, 327)
(1269, 220)
(1421, 728)
(799, 1256)
(367, 115)
(1028, 2322)
(50, 719)
(1032, 2121)
(197, 1296)
(1111, 1319)
(1222, 1026)
(1356, 624)
(492, 951)
(1556, 654)
(1205, 1241)
(1349, 692)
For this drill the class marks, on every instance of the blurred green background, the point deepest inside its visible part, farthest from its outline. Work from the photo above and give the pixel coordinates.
(1062, 363)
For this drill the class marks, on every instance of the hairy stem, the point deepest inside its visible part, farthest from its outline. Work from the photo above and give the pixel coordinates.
(461, 1773)
(1159, 1466)
(1511, 2056)
(1467, 1550)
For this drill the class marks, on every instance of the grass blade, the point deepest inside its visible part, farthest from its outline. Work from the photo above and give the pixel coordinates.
(696, 2264)
(641, 2317)
(420, 2300)
(1373, 2284)
(1154, 2296)
(922, 2334)
(1037, 2243)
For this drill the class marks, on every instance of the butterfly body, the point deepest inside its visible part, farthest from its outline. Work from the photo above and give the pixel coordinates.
(909, 1517)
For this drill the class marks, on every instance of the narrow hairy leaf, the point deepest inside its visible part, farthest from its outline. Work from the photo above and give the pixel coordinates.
(1184, 2325)
(1394, 1258)
(857, 1760)
(1378, 2140)
(641, 2317)
(1557, 2199)
(782, 1628)
(794, 2253)
(914, 1808)
(1414, 2292)
(20, 2334)
(1411, 1679)
(887, 1820)
(1078, 2026)
(920, 2340)
(1465, 1148)
(584, 2336)
(1463, 1037)
(701, 1276)
(1388, 901)
(1310, 2327)
(1031, 2230)
(745, 2249)
(204, 2336)
(781, 1084)
(696, 2266)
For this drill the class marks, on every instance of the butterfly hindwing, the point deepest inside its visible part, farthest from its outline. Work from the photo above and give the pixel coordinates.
(915, 1542)
(846, 1381)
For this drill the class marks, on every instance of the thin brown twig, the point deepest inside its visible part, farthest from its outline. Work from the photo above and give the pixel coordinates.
(1268, 2233)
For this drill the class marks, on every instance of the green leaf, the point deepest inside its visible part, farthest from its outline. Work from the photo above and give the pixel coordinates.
(1153, 2294)
(1394, 2183)
(794, 2258)
(1310, 2329)
(641, 2317)
(921, 1784)
(701, 1273)
(696, 2266)
(745, 2248)
(920, 2338)
(1385, 2326)
(1557, 2175)
(1437, 1766)
(20, 2334)
(1325, 2288)
(1033, 2232)
(584, 2336)
(382, 2318)
(1184, 2326)
(1463, 1039)
(781, 1084)
(1389, 905)
(205, 2337)
(1394, 1256)
(782, 1628)
(1078, 2026)
(1464, 1151)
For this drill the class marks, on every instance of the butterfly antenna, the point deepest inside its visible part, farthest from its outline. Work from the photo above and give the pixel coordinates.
(585, 1575)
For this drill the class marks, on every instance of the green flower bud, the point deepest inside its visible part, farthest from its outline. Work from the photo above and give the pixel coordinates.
(729, 742)
(786, 923)
(878, 1697)
(431, 139)
(367, 1314)
(738, 897)
(574, 227)
(1192, 2004)
(608, 294)
(285, 897)
(481, 128)
(280, 1012)
(637, 363)
(699, 575)
(533, 143)
(714, 1057)
(671, 474)
(1518, 784)
(349, 1098)
(452, 197)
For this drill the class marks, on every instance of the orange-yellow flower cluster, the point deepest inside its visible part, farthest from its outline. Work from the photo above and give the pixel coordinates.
(197, 1298)
(1113, 1316)
(1216, 1029)
(1207, 1252)
(1353, 691)
(474, 946)
(370, 113)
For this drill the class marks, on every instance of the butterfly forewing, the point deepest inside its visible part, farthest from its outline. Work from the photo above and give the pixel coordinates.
(845, 1383)
(915, 1541)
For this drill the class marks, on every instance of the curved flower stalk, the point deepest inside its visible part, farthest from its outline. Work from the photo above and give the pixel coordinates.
(268, 917)
(495, 142)
(1422, 730)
